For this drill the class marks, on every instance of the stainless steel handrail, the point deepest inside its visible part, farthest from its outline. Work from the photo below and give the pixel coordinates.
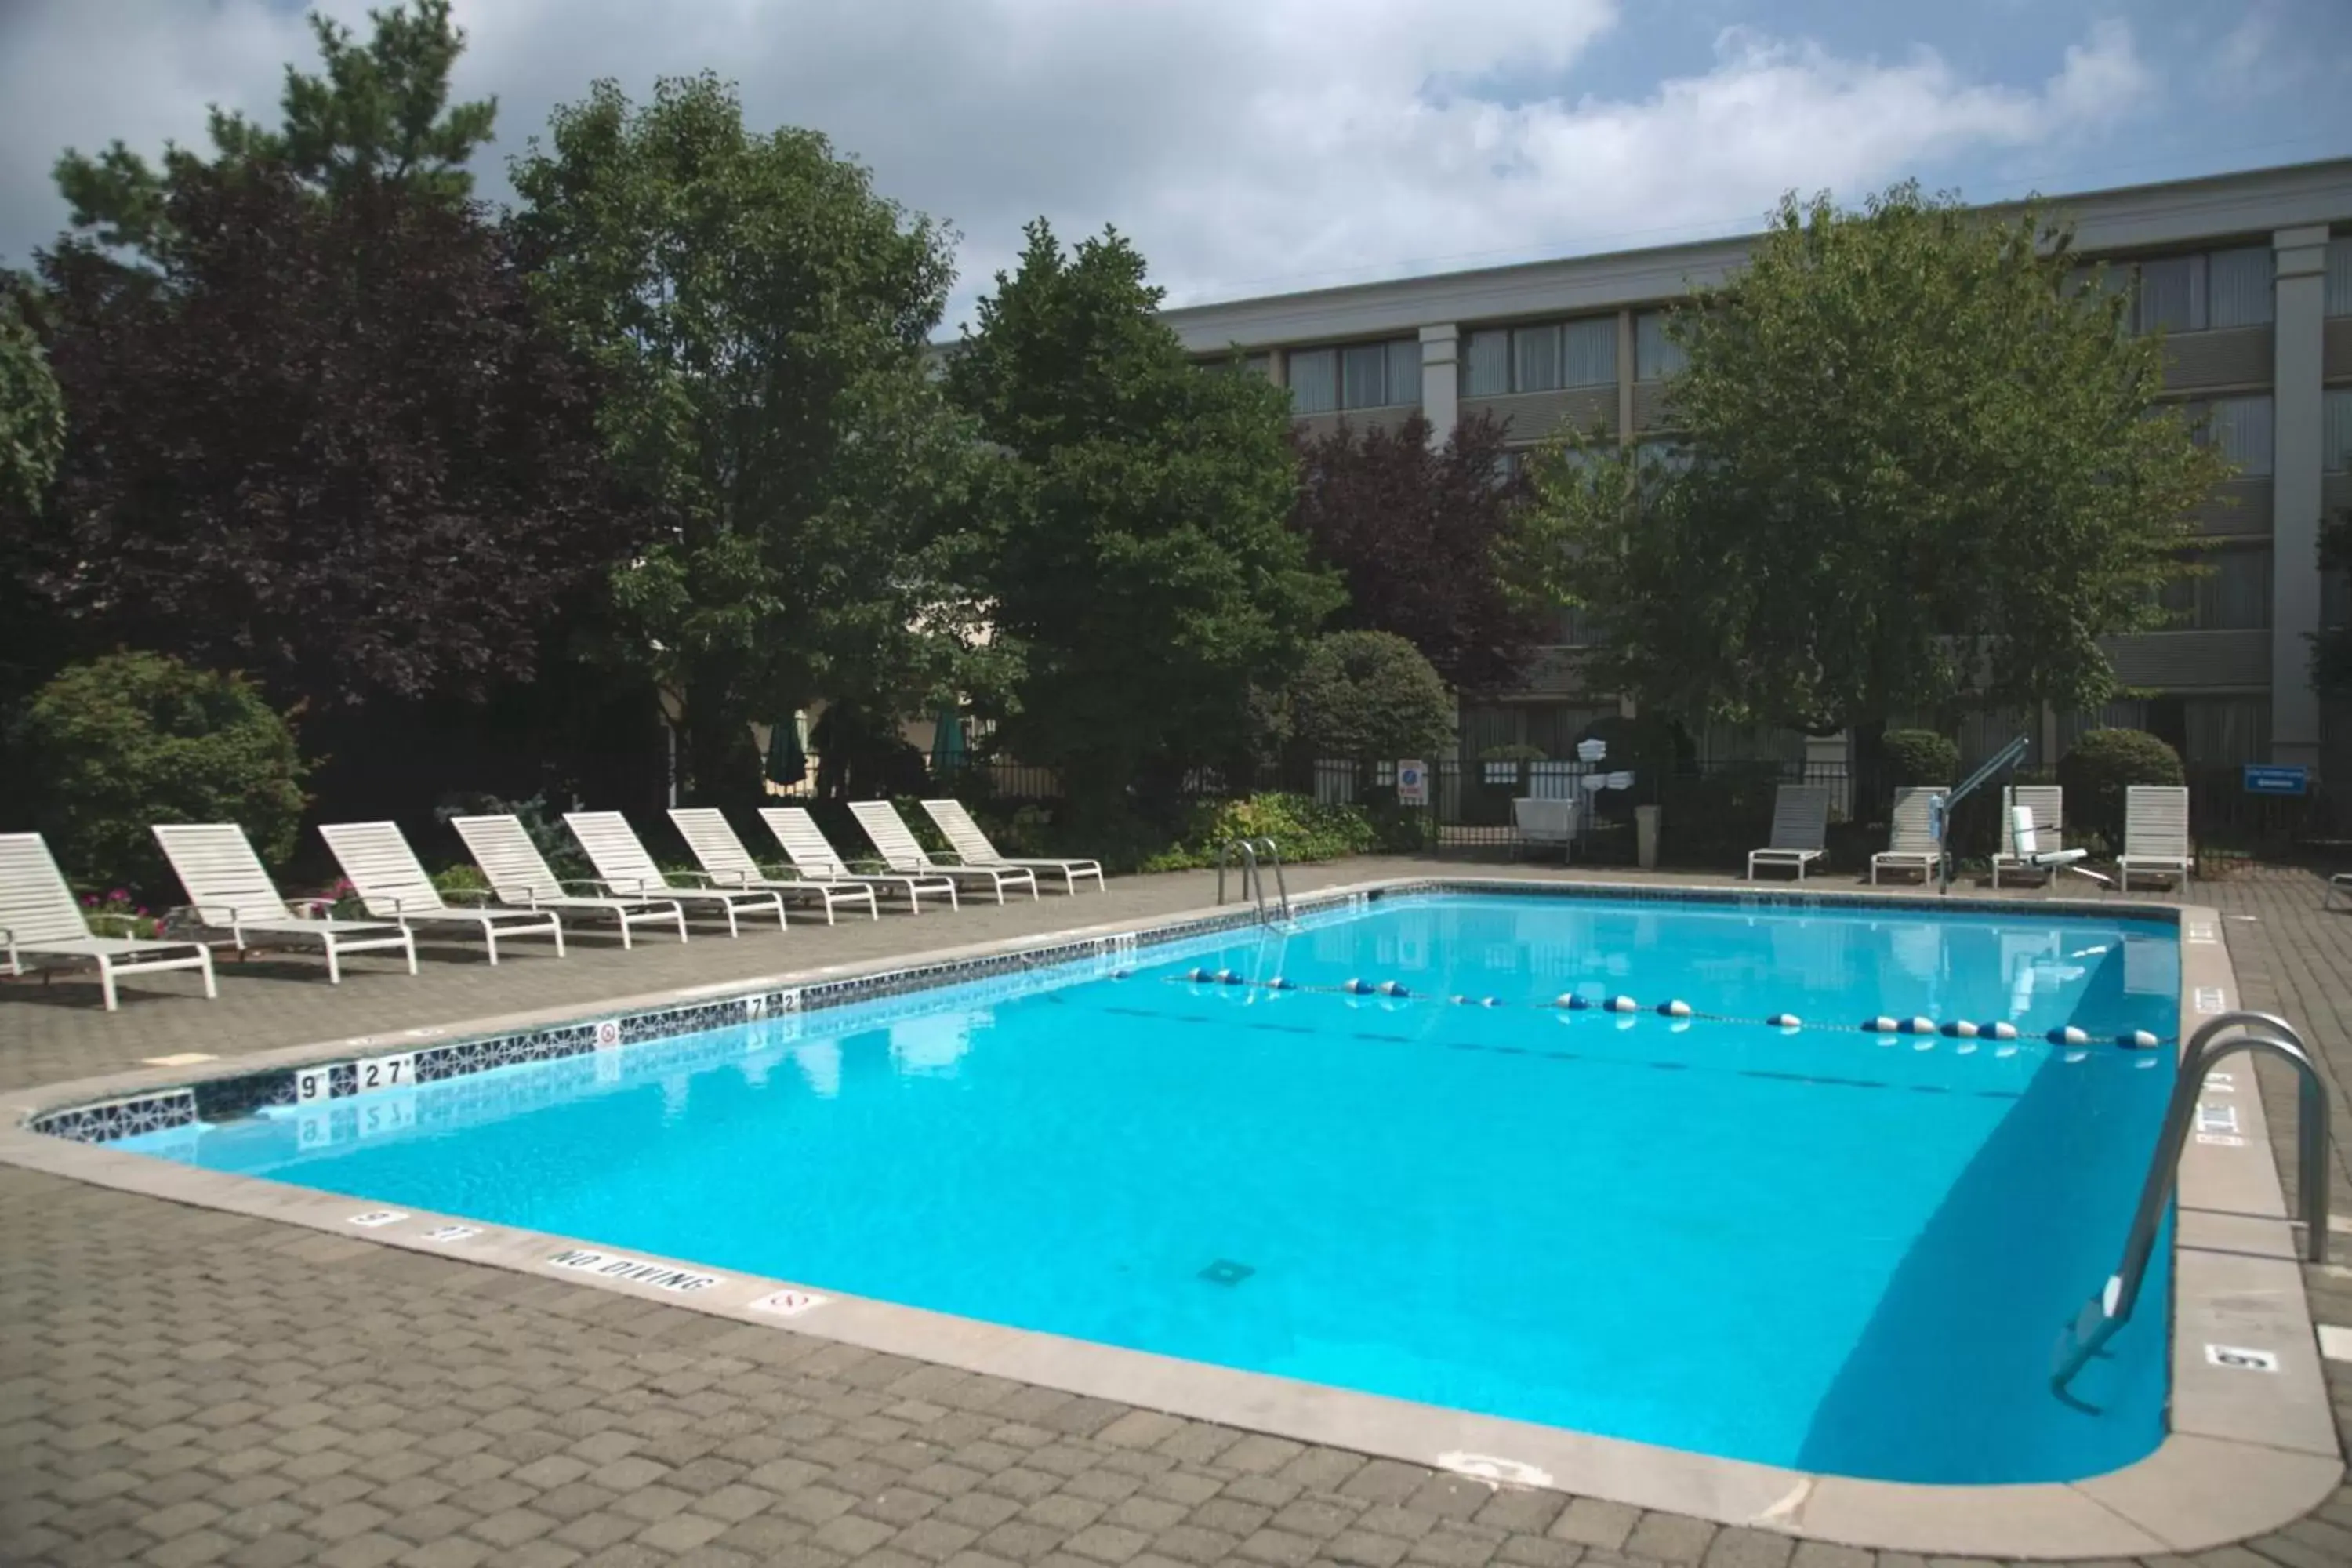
(2105, 1313)
(1253, 881)
(1281, 884)
(1254, 873)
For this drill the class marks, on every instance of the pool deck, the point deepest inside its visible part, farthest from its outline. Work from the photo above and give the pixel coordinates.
(181, 1385)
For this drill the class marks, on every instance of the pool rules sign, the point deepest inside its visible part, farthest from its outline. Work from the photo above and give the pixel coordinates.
(1413, 783)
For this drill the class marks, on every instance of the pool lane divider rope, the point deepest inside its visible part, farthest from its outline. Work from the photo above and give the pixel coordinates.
(1570, 1002)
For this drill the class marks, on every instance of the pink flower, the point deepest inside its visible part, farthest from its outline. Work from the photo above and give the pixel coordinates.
(120, 896)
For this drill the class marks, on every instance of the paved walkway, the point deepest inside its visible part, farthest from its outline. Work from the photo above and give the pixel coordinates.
(181, 1386)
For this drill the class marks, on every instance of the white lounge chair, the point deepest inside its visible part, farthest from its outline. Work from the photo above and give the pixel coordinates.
(628, 872)
(2046, 804)
(1548, 823)
(39, 916)
(973, 847)
(2156, 832)
(1800, 829)
(230, 891)
(2340, 882)
(392, 886)
(1911, 841)
(519, 874)
(814, 857)
(904, 855)
(730, 864)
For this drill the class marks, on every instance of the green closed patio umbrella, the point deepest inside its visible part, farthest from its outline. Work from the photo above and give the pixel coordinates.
(787, 763)
(947, 743)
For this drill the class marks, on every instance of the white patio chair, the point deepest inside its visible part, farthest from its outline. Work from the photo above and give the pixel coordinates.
(1537, 821)
(392, 886)
(814, 857)
(230, 891)
(2156, 832)
(1911, 841)
(39, 916)
(971, 847)
(730, 864)
(627, 871)
(904, 855)
(2047, 806)
(519, 874)
(1801, 828)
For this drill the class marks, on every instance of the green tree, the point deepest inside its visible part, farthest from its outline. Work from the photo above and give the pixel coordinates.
(380, 113)
(761, 319)
(1927, 478)
(115, 745)
(1368, 696)
(32, 412)
(1134, 545)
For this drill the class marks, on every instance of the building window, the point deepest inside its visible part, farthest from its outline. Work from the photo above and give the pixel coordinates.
(1548, 358)
(2336, 432)
(2238, 287)
(1655, 357)
(2233, 595)
(1361, 376)
(2339, 277)
(1669, 457)
(1580, 627)
(2191, 293)
(2239, 429)
(2224, 731)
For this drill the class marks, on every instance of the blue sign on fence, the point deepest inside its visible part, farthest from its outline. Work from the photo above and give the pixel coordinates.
(2262, 779)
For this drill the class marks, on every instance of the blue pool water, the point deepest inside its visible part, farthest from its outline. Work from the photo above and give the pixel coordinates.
(1828, 1249)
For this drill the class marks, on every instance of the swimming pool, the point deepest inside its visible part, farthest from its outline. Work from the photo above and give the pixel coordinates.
(1823, 1248)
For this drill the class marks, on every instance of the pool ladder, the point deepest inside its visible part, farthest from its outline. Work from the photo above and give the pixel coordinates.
(2105, 1314)
(1253, 875)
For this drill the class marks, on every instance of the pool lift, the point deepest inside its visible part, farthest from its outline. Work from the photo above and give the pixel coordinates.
(2020, 826)
(1254, 876)
(2105, 1314)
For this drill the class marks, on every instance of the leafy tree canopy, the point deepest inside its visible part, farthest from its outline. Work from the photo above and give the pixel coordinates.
(325, 443)
(32, 413)
(1366, 696)
(759, 318)
(1133, 542)
(1927, 476)
(379, 112)
(1430, 542)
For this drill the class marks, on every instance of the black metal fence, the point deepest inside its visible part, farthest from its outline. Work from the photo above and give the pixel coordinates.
(1710, 814)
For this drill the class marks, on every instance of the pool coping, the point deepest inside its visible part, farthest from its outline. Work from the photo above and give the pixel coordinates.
(2249, 1447)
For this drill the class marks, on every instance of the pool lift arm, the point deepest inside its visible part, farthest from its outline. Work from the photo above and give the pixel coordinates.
(1999, 762)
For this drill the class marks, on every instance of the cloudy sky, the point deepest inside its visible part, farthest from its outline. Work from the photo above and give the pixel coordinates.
(1262, 146)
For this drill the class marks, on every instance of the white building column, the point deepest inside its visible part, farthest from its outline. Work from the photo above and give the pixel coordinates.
(2299, 315)
(1441, 380)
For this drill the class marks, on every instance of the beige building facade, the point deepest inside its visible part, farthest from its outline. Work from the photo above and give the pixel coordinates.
(2248, 275)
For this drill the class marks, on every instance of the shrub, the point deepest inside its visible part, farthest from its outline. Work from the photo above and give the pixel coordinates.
(1303, 828)
(2101, 767)
(115, 745)
(1920, 757)
(540, 821)
(460, 880)
(1367, 695)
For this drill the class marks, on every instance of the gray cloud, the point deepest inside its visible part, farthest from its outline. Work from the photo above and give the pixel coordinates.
(1246, 147)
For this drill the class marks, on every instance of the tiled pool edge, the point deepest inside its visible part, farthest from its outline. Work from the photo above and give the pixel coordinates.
(2244, 1456)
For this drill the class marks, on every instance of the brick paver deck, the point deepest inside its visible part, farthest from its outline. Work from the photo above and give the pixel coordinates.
(180, 1386)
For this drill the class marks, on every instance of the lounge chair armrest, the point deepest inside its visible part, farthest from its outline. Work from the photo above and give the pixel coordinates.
(690, 879)
(305, 908)
(868, 865)
(728, 878)
(589, 884)
(517, 894)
